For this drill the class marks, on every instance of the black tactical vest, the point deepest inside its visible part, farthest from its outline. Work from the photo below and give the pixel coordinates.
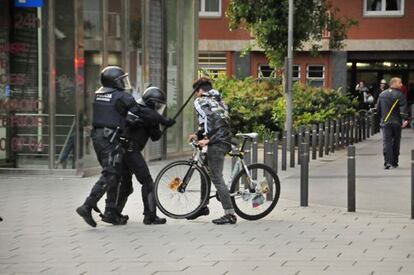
(105, 113)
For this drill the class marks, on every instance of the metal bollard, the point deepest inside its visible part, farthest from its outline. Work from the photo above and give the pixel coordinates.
(351, 130)
(337, 131)
(347, 128)
(248, 153)
(364, 128)
(358, 128)
(275, 151)
(307, 140)
(314, 133)
(292, 149)
(284, 151)
(300, 140)
(343, 130)
(372, 123)
(234, 150)
(304, 175)
(267, 151)
(331, 136)
(412, 184)
(254, 155)
(326, 137)
(356, 123)
(320, 141)
(351, 178)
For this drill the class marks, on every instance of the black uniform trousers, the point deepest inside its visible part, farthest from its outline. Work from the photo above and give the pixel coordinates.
(110, 158)
(134, 163)
(391, 133)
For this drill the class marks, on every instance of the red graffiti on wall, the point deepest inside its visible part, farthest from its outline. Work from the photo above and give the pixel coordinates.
(19, 143)
(25, 105)
(20, 121)
(13, 48)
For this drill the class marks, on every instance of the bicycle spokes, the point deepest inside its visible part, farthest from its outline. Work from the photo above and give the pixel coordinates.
(258, 200)
(256, 193)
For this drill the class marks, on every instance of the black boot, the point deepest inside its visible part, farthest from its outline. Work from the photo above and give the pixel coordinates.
(85, 211)
(112, 216)
(204, 211)
(154, 219)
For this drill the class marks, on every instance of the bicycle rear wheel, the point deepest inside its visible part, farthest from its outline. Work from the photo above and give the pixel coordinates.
(172, 200)
(257, 203)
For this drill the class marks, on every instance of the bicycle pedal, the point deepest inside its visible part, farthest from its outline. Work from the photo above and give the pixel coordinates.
(175, 183)
(246, 195)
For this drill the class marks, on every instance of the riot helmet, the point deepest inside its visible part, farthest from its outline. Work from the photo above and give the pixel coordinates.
(154, 98)
(115, 77)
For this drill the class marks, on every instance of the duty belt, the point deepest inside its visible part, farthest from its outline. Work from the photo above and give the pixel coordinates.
(109, 132)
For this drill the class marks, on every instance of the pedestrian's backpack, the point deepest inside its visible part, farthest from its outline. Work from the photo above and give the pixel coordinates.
(218, 107)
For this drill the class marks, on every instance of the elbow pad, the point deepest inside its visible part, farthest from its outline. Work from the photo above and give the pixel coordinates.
(134, 120)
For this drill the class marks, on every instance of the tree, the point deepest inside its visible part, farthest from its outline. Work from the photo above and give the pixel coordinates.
(267, 20)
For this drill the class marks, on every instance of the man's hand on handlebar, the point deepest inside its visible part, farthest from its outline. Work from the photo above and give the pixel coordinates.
(203, 142)
(191, 138)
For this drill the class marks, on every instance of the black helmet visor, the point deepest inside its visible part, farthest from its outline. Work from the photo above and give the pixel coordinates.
(123, 81)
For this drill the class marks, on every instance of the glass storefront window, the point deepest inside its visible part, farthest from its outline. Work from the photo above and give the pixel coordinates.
(24, 116)
(50, 63)
(173, 136)
(92, 19)
(135, 45)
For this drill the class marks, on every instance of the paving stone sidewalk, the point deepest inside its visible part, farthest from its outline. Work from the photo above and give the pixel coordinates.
(41, 233)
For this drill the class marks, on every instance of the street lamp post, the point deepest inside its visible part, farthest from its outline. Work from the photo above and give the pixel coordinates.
(288, 75)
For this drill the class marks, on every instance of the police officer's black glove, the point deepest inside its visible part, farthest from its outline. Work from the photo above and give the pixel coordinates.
(170, 122)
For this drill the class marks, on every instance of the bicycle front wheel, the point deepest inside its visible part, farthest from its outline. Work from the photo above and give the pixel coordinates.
(256, 200)
(181, 189)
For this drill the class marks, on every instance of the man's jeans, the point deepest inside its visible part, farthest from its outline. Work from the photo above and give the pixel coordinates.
(215, 158)
(391, 133)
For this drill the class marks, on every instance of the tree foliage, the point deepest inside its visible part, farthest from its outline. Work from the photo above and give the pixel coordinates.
(267, 20)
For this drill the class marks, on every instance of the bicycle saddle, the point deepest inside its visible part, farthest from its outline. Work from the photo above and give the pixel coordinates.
(249, 135)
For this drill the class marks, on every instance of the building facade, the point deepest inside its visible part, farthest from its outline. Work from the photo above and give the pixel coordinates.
(380, 46)
(51, 55)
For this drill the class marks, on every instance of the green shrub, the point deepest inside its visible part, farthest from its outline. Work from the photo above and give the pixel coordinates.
(260, 106)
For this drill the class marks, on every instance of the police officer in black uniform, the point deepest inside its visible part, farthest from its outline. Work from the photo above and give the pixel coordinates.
(110, 108)
(141, 126)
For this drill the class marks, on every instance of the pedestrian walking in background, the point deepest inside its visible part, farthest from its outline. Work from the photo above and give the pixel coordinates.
(392, 109)
(364, 95)
(379, 89)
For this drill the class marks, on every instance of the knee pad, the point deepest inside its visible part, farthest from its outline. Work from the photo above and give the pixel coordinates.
(112, 180)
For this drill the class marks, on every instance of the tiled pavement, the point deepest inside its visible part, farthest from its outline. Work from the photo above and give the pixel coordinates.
(41, 233)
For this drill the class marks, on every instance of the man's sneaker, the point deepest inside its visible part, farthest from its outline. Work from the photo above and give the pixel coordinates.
(202, 212)
(85, 211)
(149, 219)
(226, 219)
(394, 165)
(387, 166)
(113, 217)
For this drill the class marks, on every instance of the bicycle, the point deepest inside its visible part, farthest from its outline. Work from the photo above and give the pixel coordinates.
(183, 187)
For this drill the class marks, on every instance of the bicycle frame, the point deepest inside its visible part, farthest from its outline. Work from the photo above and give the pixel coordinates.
(198, 159)
(194, 161)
